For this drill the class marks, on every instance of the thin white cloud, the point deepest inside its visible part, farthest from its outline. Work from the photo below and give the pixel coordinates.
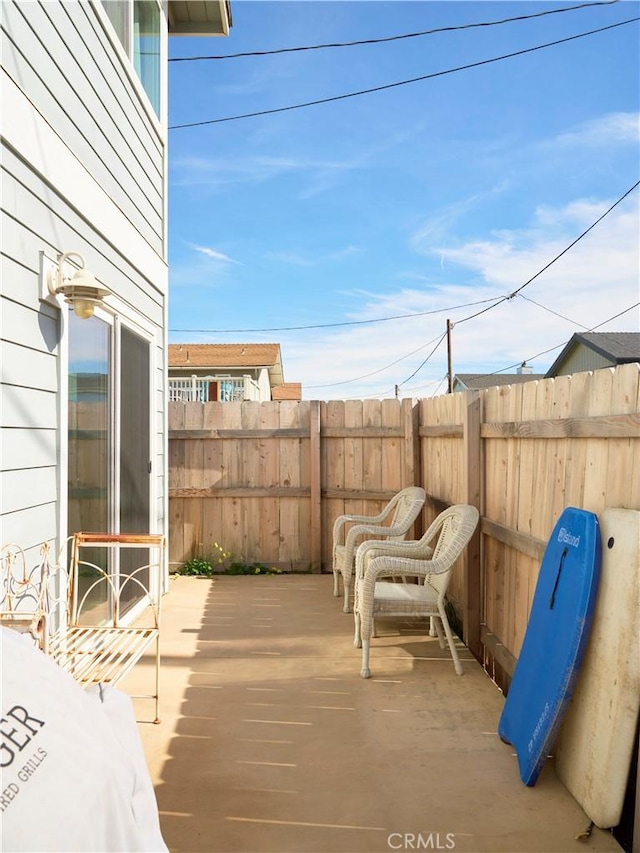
(292, 258)
(214, 254)
(436, 228)
(318, 174)
(592, 282)
(299, 259)
(611, 129)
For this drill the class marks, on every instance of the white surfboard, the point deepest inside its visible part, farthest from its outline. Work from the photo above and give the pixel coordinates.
(594, 748)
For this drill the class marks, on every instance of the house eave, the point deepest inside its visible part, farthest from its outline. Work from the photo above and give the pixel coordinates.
(199, 17)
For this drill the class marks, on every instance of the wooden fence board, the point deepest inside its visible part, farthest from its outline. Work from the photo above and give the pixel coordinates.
(527, 566)
(252, 479)
(290, 509)
(633, 458)
(624, 395)
(595, 474)
(373, 477)
(231, 534)
(268, 518)
(576, 450)
(213, 479)
(353, 455)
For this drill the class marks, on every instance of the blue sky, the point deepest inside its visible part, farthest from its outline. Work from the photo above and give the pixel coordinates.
(435, 198)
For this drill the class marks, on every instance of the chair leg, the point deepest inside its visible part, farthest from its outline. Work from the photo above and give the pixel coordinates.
(357, 642)
(336, 583)
(454, 654)
(436, 624)
(347, 597)
(365, 672)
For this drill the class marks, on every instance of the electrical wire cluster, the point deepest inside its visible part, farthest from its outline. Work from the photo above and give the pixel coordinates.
(488, 304)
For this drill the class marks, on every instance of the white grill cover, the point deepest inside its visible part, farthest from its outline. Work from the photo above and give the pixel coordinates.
(73, 772)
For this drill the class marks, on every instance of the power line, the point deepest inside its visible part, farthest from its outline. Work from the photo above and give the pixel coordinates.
(516, 292)
(592, 329)
(503, 299)
(373, 372)
(393, 38)
(551, 311)
(513, 366)
(336, 325)
(404, 82)
(495, 300)
(422, 364)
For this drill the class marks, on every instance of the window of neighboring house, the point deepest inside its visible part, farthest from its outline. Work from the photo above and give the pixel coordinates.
(137, 25)
(109, 441)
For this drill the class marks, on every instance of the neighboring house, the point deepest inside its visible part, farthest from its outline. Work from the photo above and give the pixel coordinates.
(226, 372)
(594, 350)
(84, 162)
(287, 391)
(479, 381)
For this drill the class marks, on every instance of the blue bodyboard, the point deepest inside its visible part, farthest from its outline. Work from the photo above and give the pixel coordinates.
(555, 640)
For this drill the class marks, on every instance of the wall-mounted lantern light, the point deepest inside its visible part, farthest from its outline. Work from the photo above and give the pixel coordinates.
(80, 290)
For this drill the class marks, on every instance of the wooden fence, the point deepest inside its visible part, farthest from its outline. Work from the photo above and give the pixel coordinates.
(267, 480)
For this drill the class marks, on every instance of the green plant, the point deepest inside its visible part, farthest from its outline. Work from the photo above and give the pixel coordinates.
(239, 567)
(220, 556)
(208, 566)
(196, 566)
(205, 566)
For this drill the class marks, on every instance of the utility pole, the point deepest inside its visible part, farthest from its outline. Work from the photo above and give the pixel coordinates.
(449, 365)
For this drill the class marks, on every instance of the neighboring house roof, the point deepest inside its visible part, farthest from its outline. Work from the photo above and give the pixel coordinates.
(613, 347)
(287, 391)
(199, 18)
(476, 381)
(186, 357)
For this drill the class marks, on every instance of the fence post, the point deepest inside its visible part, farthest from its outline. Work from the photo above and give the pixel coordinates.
(473, 489)
(412, 461)
(315, 485)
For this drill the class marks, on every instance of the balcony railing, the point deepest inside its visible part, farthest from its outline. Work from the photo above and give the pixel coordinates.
(197, 389)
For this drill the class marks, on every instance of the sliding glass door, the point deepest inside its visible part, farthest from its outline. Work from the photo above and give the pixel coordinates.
(109, 445)
(134, 457)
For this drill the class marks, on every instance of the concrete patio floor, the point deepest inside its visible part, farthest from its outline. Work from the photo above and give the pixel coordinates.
(271, 742)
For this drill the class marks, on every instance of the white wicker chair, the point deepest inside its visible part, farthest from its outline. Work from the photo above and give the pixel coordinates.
(431, 563)
(403, 508)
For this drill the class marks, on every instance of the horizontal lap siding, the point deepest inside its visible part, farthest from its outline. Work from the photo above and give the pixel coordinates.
(37, 218)
(62, 58)
(73, 83)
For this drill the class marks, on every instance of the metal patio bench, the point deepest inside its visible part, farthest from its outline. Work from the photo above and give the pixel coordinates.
(108, 618)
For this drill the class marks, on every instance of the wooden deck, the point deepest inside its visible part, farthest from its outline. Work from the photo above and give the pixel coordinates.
(271, 741)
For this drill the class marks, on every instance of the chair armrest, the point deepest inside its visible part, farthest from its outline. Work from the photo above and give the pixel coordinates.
(415, 550)
(359, 530)
(342, 520)
(385, 566)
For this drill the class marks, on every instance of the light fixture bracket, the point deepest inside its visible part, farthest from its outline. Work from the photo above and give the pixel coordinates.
(79, 289)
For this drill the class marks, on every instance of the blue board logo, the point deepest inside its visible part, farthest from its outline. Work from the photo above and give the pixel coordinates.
(568, 538)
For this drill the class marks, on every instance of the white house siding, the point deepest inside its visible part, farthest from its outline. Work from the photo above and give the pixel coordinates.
(83, 169)
(264, 384)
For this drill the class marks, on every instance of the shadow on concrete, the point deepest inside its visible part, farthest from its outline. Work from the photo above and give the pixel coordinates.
(271, 741)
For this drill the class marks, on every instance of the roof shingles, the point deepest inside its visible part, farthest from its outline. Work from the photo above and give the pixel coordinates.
(224, 355)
